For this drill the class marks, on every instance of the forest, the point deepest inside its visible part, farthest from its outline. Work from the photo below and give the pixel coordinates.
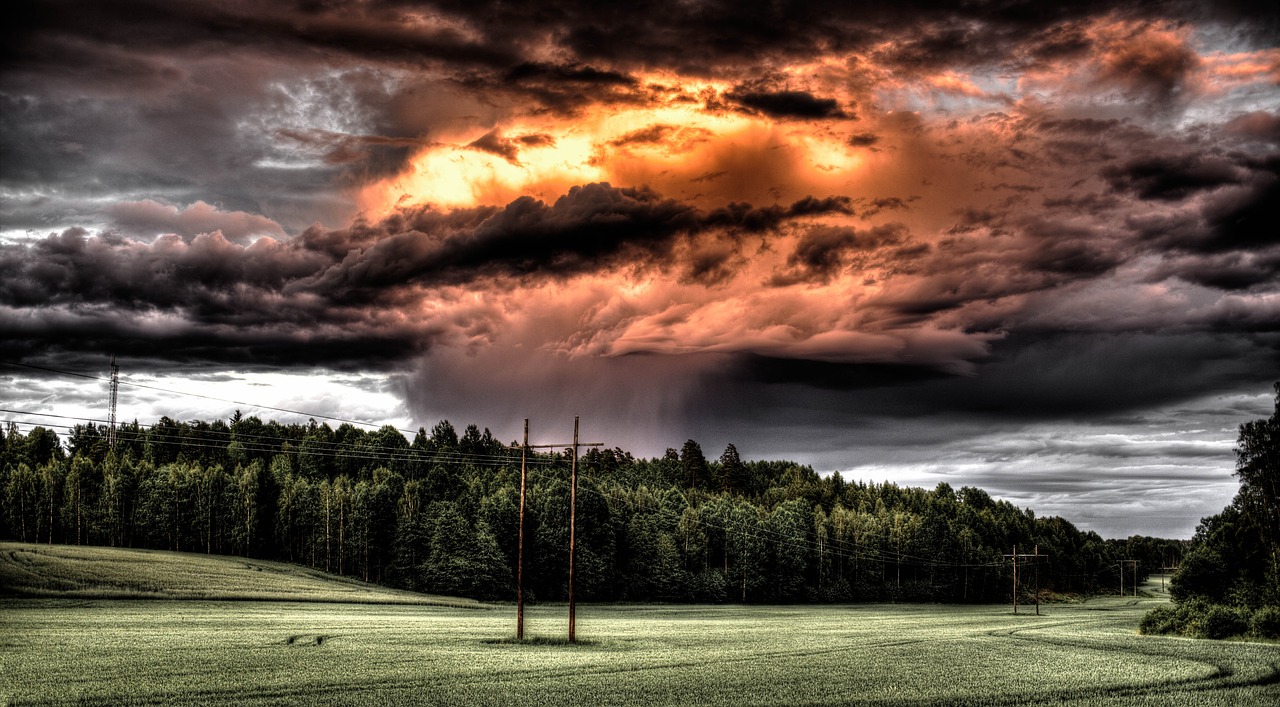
(440, 513)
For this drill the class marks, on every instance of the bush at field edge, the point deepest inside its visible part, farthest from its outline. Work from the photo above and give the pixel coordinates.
(1265, 622)
(1196, 618)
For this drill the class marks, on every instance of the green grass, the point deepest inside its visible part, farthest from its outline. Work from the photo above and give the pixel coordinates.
(71, 651)
(69, 571)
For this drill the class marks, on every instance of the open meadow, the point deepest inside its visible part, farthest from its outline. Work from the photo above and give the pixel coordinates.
(74, 650)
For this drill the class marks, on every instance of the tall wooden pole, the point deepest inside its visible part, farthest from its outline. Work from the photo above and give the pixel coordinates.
(524, 473)
(573, 508)
(1037, 580)
(1015, 578)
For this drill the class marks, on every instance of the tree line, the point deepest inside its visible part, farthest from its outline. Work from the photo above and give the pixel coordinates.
(440, 513)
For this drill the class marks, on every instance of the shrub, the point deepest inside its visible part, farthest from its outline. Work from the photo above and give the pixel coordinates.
(1221, 622)
(1265, 622)
(1160, 620)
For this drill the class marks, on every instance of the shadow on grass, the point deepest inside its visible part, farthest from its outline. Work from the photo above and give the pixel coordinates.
(540, 641)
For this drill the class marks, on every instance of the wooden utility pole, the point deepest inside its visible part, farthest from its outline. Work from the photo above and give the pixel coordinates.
(573, 508)
(1036, 556)
(1135, 576)
(524, 473)
(1037, 580)
(573, 505)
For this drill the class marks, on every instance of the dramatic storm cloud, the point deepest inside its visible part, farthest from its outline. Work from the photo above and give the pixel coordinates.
(1024, 246)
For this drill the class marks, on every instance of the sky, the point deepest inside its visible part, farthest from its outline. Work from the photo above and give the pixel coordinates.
(1029, 247)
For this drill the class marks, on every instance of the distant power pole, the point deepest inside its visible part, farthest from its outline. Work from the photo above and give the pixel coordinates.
(1036, 557)
(115, 393)
(1135, 576)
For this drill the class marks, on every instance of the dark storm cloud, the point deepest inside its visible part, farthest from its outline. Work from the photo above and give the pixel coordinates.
(1245, 218)
(1223, 271)
(1151, 63)
(509, 148)
(77, 343)
(566, 73)
(936, 45)
(375, 31)
(316, 290)
(1235, 215)
(590, 228)
(786, 103)
(645, 136)
(1026, 376)
(1013, 257)
(1171, 177)
(824, 251)
(560, 89)
(494, 144)
(888, 203)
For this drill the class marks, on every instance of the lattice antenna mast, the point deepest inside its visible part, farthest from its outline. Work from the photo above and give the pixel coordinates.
(115, 393)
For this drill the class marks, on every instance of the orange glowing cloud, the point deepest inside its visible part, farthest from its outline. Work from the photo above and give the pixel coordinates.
(683, 143)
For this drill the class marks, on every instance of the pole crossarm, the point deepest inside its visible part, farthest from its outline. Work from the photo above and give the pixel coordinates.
(563, 445)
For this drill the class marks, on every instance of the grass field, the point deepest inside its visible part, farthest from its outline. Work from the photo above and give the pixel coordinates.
(76, 651)
(70, 571)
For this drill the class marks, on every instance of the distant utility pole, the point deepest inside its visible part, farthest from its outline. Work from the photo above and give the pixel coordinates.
(1162, 571)
(1036, 557)
(573, 508)
(115, 393)
(1135, 576)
